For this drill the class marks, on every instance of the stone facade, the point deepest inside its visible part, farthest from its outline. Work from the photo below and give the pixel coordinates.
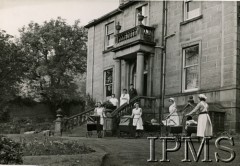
(216, 32)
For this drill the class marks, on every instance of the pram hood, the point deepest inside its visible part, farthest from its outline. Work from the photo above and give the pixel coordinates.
(92, 119)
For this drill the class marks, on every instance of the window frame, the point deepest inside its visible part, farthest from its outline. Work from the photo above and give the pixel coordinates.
(185, 18)
(185, 46)
(108, 34)
(146, 16)
(107, 84)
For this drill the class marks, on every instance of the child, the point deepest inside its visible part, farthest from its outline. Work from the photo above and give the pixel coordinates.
(189, 122)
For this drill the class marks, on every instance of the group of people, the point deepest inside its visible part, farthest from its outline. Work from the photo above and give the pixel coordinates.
(204, 124)
(125, 97)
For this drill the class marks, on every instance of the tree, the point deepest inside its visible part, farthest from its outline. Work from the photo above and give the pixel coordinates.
(57, 52)
(12, 69)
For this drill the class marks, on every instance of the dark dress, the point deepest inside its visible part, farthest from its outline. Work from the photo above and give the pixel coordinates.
(132, 93)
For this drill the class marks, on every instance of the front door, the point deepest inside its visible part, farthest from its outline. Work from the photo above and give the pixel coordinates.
(145, 90)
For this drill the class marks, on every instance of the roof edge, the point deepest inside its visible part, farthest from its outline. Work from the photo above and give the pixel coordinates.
(112, 13)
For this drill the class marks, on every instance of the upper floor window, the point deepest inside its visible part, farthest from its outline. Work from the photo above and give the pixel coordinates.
(191, 68)
(143, 10)
(108, 82)
(110, 34)
(192, 9)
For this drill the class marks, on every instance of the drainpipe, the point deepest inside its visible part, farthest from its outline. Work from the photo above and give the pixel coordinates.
(163, 58)
(93, 58)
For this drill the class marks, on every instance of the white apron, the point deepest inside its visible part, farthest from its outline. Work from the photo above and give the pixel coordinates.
(137, 119)
(173, 120)
(99, 112)
(204, 127)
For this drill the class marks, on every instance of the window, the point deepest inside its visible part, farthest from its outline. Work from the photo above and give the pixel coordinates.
(108, 82)
(191, 9)
(110, 34)
(142, 11)
(191, 68)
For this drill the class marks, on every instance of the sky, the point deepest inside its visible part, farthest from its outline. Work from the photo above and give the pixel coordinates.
(14, 14)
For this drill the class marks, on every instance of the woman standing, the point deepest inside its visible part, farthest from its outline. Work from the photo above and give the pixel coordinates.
(204, 127)
(172, 119)
(124, 97)
(137, 118)
(99, 111)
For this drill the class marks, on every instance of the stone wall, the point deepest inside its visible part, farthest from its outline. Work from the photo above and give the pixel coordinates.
(216, 33)
(104, 60)
(39, 112)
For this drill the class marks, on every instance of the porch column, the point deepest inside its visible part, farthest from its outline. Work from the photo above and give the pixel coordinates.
(117, 83)
(123, 74)
(150, 75)
(139, 73)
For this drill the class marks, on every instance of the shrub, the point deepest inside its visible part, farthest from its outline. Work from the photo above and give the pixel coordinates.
(10, 151)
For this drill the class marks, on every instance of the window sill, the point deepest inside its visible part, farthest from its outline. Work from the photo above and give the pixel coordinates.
(191, 20)
(190, 90)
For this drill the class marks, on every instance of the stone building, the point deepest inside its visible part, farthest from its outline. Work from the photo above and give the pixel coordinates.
(169, 49)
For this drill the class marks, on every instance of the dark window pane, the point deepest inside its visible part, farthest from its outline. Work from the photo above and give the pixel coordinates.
(110, 28)
(191, 75)
(108, 79)
(108, 90)
(193, 5)
(191, 55)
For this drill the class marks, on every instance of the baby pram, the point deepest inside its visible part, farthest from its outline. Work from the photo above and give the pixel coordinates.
(181, 130)
(126, 126)
(152, 128)
(93, 124)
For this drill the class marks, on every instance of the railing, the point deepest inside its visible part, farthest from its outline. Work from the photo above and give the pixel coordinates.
(146, 103)
(128, 34)
(79, 119)
(140, 32)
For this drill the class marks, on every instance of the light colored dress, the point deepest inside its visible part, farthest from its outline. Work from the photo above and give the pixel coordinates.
(114, 101)
(137, 118)
(124, 99)
(100, 112)
(204, 127)
(173, 120)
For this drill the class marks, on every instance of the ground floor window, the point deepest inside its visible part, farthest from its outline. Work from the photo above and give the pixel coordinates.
(191, 68)
(108, 82)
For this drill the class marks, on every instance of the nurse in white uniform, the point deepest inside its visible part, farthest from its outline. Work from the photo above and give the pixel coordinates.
(172, 119)
(99, 111)
(124, 97)
(204, 127)
(137, 118)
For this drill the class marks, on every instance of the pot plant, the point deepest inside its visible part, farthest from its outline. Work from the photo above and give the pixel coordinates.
(140, 18)
(109, 107)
